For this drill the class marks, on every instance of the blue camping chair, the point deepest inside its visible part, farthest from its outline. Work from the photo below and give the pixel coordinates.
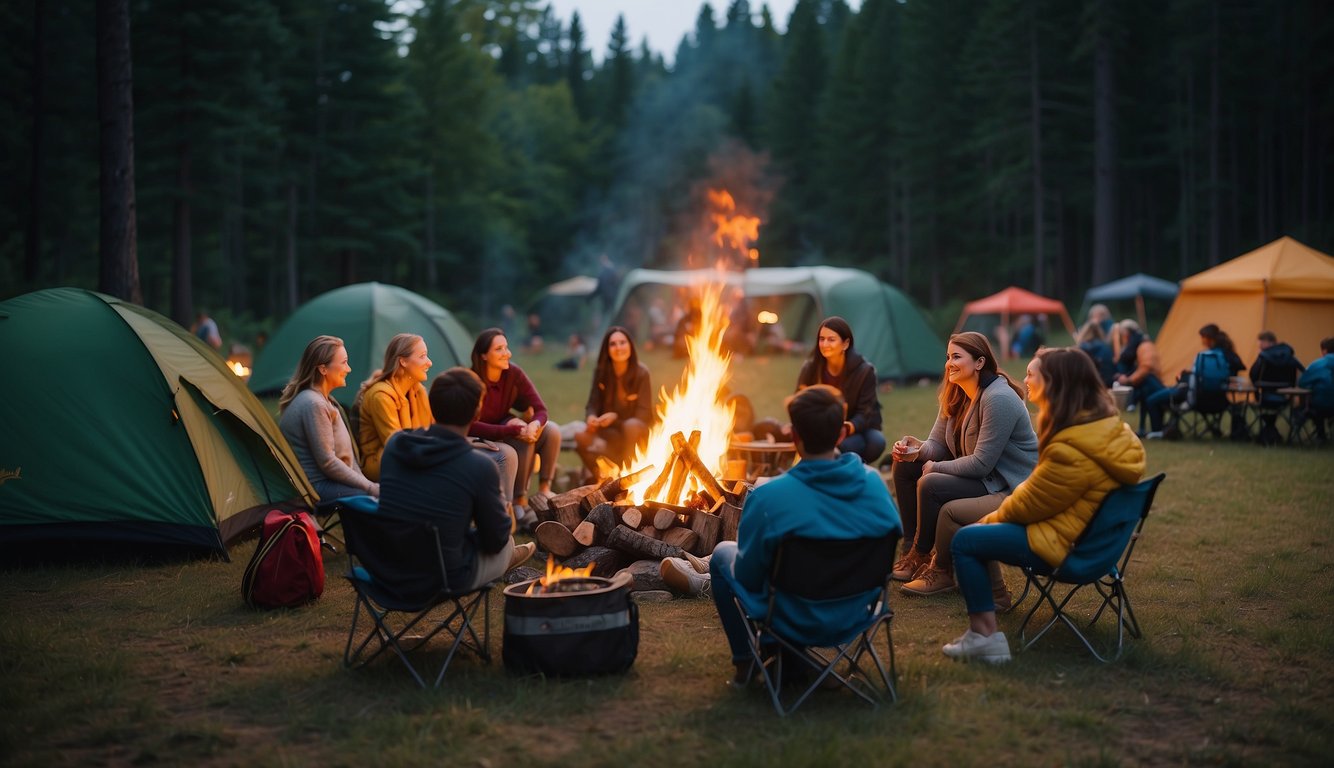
(397, 568)
(1099, 559)
(826, 569)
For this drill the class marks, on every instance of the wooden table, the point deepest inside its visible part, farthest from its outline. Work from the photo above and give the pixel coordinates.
(762, 458)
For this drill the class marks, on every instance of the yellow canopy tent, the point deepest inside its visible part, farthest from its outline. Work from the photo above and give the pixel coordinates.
(1284, 287)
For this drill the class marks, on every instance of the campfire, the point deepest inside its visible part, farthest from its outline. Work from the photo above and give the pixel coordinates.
(559, 578)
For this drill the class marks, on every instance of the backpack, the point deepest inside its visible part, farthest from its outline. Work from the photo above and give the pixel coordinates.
(1209, 379)
(287, 568)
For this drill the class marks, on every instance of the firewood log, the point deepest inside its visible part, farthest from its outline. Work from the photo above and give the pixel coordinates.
(679, 536)
(632, 516)
(541, 507)
(708, 527)
(618, 485)
(605, 560)
(569, 516)
(592, 500)
(737, 495)
(594, 528)
(647, 575)
(648, 530)
(678, 482)
(555, 538)
(693, 463)
(655, 488)
(731, 517)
(634, 543)
(664, 518)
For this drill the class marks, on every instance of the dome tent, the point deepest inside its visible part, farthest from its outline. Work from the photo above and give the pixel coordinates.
(124, 433)
(1285, 287)
(365, 316)
(890, 331)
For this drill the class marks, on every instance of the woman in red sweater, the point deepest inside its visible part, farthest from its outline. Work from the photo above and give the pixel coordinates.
(513, 413)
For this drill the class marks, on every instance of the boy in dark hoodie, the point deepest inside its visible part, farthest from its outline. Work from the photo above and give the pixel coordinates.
(434, 474)
(1274, 368)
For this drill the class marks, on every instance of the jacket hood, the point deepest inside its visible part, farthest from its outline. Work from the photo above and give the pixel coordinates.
(427, 447)
(846, 480)
(1279, 354)
(1110, 444)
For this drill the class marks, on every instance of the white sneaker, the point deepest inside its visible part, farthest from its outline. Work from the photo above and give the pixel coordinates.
(971, 645)
(683, 578)
(700, 564)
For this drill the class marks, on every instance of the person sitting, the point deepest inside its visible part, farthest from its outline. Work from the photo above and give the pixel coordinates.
(1101, 316)
(1319, 378)
(827, 495)
(981, 446)
(313, 423)
(1138, 366)
(575, 352)
(1090, 339)
(394, 398)
(435, 475)
(1212, 338)
(1027, 337)
(1275, 367)
(620, 404)
(836, 362)
(509, 392)
(1087, 450)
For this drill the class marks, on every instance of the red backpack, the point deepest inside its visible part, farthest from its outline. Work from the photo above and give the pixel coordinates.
(287, 569)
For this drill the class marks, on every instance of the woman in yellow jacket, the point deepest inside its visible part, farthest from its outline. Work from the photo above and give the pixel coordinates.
(1085, 451)
(393, 399)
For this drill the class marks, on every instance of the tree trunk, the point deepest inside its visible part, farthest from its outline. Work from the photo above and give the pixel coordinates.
(182, 272)
(1215, 213)
(1035, 119)
(115, 109)
(1104, 147)
(32, 244)
(291, 247)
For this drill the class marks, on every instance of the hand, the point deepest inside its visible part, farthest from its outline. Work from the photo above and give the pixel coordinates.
(607, 419)
(927, 467)
(906, 449)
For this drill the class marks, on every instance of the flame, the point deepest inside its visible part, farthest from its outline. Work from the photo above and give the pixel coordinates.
(733, 230)
(238, 369)
(697, 403)
(556, 573)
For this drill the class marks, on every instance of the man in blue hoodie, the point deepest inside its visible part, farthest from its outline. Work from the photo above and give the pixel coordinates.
(434, 474)
(827, 495)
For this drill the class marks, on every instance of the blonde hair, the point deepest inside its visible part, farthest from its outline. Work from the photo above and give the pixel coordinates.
(399, 346)
(320, 351)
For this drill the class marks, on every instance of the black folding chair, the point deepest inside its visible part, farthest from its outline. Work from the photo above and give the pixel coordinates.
(827, 569)
(1098, 559)
(397, 568)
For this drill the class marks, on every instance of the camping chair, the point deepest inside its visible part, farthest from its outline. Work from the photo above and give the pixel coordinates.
(1199, 414)
(397, 569)
(826, 569)
(328, 513)
(1098, 559)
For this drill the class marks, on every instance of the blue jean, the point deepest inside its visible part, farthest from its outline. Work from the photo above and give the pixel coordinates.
(1153, 398)
(329, 490)
(868, 445)
(724, 587)
(974, 546)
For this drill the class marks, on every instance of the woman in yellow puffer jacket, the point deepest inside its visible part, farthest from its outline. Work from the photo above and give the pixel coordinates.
(1085, 451)
(393, 399)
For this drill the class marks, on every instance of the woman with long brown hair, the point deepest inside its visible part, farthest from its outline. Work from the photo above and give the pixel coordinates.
(1086, 451)
(619, 410)
(981, 446)
(313, 424)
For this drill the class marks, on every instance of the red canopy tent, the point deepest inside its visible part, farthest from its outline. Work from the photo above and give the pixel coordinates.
(1015, 301)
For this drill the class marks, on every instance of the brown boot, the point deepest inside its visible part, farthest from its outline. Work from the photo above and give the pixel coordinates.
(930, 581)
(906, 568)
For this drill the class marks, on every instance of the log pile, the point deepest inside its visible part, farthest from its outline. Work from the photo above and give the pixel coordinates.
(596, 524)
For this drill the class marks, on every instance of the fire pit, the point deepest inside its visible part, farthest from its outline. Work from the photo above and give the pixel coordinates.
(575, 625)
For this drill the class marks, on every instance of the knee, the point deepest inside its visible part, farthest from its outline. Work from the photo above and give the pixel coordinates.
(635, 431)
(724, 555)
(584, 439)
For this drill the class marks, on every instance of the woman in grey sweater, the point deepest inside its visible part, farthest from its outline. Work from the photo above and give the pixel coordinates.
(314, 426)
(981, 446)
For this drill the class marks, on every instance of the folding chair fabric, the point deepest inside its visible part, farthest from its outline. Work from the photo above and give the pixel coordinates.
(827, 569)
(397, 568)
(1098, 559)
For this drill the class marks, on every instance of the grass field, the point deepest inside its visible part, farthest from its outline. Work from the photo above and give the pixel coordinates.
(1233, 583)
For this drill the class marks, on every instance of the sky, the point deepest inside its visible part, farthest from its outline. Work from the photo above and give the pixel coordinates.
(663, 22)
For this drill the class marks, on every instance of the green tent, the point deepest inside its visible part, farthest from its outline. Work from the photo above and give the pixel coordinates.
(365, 316)
(889, 330)
(125, 433)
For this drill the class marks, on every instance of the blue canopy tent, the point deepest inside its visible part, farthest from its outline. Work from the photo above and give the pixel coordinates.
(1133, 288)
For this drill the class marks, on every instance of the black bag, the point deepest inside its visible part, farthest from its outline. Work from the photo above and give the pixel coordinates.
(593, 632)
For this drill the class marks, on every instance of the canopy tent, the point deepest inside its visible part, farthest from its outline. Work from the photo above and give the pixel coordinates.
(1015, 301)
(1136, 288)
(889, 330)
(124, 433)
(365, 316)
(1285, 287)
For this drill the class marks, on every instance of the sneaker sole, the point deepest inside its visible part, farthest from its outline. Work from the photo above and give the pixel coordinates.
(905, 589)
